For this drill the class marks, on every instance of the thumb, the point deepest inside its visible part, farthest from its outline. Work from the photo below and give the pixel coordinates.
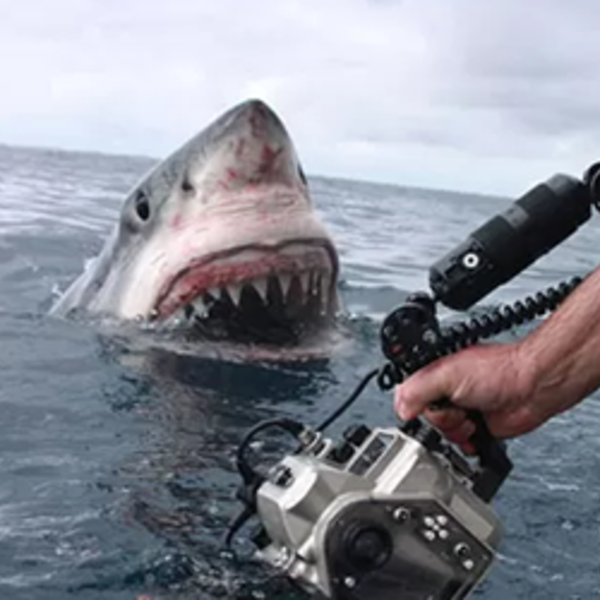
(434, 382)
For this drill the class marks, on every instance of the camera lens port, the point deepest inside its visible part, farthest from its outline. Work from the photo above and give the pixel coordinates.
(367, 546)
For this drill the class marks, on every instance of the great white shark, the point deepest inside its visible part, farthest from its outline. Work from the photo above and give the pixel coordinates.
(222, 236)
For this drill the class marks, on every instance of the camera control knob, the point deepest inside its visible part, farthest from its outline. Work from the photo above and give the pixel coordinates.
(281, 476)
(357, 435)
(341, 453)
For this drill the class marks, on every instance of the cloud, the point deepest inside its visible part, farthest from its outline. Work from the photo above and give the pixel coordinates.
(490, 96)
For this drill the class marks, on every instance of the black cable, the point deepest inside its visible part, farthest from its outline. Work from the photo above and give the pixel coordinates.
(289, 425)
(238, 522)
(251, 479)
(501, 319)
(351, 399)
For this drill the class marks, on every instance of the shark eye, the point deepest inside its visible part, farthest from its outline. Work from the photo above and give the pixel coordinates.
(142, 206)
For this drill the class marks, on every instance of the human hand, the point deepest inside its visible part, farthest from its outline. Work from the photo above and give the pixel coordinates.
(493, 379)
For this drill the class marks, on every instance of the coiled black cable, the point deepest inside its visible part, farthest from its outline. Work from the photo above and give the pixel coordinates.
(459, 336)
(501, 319)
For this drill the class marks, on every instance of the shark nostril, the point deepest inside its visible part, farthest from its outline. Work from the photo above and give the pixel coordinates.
(186, 186)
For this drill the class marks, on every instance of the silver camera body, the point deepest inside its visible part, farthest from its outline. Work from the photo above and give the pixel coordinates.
(382, 514)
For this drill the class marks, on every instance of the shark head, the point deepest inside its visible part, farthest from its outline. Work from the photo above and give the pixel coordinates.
(222, 236)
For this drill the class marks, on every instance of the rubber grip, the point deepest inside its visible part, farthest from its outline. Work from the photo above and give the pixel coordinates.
(494, 464)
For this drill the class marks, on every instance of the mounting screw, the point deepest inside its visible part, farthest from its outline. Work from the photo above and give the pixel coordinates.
(401, 514)
(469, 565)
(470, 260)
(429, 336)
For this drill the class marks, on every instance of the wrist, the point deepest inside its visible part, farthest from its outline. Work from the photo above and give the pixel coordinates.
(538, 395)
(526, 369)
(545, 386)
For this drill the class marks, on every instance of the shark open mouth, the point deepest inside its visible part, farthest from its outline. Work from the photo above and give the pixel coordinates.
(256, 294)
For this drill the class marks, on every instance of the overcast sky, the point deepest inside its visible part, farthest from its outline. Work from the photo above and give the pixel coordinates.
(484, 95)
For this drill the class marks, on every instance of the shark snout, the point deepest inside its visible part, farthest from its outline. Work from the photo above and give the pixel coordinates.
(263, 121)
(258, 149)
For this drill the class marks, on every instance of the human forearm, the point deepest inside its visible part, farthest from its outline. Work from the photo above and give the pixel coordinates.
(560, 361)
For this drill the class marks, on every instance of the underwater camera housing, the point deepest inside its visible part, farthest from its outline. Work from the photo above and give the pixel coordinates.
(384, 514)
(398, 512)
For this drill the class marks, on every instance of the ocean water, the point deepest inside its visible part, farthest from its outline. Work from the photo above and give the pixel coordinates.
(116, 476)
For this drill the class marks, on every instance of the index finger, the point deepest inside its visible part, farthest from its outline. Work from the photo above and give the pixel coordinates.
(430, 384)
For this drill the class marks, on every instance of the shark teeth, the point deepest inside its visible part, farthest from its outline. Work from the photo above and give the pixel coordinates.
(199, 307)
(304, 281)
(316, 287)
(260, 285)
(285, 281)
(235, 292)
(310, 286)
(325, 282)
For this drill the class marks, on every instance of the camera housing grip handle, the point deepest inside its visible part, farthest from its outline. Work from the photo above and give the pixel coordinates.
(494, 465)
